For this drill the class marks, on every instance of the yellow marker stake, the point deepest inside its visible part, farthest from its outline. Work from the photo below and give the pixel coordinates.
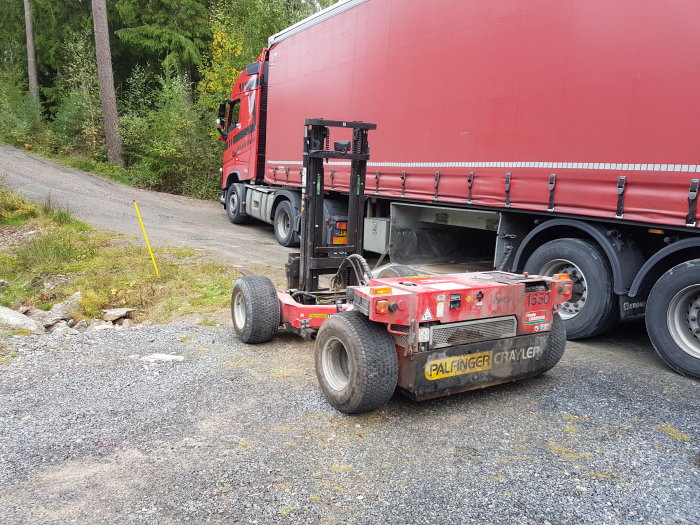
(143, 229)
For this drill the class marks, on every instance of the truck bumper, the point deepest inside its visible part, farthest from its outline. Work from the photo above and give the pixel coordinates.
(426, 375)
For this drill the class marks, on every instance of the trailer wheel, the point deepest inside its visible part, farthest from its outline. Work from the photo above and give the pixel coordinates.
(396, 270)
(356, 363)
(593, 307)
(235, 207)
(556, 343)
(673, 318)
(255, 309)
(284, 225)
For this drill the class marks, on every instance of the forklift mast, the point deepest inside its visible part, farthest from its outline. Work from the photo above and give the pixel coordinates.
(317, 258)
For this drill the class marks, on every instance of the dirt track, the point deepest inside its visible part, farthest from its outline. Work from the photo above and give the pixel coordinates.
(169, 219)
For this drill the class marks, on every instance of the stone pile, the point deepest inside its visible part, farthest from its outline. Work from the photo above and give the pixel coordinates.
(59, 319)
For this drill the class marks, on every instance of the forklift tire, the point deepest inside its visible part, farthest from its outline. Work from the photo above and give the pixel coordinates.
(673, 318)
(284, 224)
(594, 306)
(396, 270)
(356, 363)
(255, 309)
(556, 343)
(235, 203)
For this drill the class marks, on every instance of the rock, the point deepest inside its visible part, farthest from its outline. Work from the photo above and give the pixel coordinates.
(99, 324)
(59, 312)
(24, 309)
(81, 325)
(162, 358)
(16, 321)
(67, 307)
(125, 323)
(116, 313)
(3, 283)
(62, 327)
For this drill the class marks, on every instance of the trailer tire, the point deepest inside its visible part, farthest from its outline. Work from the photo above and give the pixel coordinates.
(255, 309)
(593, 309)
(396, 270)
(235, 207)
(284, 224)
(673, 315)
(356, 363)
(556, 343)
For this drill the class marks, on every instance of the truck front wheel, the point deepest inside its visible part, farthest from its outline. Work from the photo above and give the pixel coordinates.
(235, 203)
(284, 225)
(255, 309)
(673, 318)
(356, 363)
(593, 306)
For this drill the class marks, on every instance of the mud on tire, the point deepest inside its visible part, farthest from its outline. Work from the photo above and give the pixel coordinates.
(356, 363)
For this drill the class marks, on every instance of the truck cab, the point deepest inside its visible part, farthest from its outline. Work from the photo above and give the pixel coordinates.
(238, 124)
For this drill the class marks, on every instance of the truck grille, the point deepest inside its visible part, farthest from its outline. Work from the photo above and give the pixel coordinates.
(472, 331)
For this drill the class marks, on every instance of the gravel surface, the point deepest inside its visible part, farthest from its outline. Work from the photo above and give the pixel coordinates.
(92, 433)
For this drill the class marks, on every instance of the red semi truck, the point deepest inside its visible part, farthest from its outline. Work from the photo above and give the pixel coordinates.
(551, 136)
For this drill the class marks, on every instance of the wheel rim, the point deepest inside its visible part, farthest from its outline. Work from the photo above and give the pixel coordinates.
(683, 320)
(579, 293)
(335, 363)
(239, 311)
(233, 201)
(284, 224)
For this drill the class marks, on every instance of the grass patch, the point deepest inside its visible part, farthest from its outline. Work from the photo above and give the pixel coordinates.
(674, 433)
(109, 270)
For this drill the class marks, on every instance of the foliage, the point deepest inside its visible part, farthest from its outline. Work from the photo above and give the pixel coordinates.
(174, 61)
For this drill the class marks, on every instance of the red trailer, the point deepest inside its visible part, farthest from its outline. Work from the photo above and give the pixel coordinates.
(551, 136)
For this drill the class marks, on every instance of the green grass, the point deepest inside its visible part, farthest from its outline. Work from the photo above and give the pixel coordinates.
(109, 270)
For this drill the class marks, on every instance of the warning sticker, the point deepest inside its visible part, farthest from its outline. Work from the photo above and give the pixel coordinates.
(318, 316)
(427, 315)
(458, 365)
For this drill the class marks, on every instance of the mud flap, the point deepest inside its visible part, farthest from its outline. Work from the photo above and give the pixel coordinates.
(467, 367)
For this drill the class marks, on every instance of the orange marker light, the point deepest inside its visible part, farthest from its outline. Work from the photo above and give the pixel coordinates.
(380, 290)
(381, 307)
(562, 276)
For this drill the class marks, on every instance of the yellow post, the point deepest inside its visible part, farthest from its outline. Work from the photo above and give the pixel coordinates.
(143, 229)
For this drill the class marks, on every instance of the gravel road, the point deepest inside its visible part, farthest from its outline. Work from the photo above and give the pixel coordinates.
(92, 433)
(170, 220)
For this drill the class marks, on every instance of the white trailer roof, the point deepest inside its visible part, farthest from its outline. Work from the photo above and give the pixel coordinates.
(317, 18)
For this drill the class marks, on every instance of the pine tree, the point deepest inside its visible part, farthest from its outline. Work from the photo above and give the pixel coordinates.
(105, 76)
(31, 55)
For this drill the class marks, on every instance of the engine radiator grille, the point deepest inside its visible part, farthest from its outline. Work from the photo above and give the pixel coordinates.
(472, 331)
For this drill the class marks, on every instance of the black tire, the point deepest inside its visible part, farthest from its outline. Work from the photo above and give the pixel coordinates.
(556, 343)
(673, 318)
(235, 207)
(356, 363)
(396, 270)
(284, 224)
(255, 309)
(594, 306)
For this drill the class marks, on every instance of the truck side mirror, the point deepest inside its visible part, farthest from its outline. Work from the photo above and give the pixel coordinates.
(221, 119)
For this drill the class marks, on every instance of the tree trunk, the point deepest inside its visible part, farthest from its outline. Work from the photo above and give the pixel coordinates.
(31, 56)
(106, 79)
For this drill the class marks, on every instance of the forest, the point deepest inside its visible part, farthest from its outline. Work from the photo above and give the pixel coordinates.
(172, 62)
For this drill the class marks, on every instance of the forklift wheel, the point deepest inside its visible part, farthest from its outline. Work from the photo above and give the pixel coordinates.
(556, 343)
(255, 309)
(356, 363)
